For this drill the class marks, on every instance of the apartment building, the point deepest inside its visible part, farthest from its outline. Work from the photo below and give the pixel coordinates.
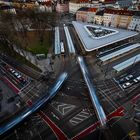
(124, 21)
(108, 1)
(7, 8)
(45, 6)
(81, 14)
(62, 7)
(135, 22)
(86, 14)
(124, 3)
(74, 5)
(91, 14)
(108, 15)
(117, 18)
(98, 18)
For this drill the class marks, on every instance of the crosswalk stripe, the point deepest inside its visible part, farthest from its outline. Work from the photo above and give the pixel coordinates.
(76, 118)
(82, 116)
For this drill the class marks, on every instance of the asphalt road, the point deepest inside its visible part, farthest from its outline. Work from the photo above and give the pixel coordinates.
(71, 109)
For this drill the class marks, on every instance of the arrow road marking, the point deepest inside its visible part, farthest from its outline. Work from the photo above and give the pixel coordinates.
(63, 108)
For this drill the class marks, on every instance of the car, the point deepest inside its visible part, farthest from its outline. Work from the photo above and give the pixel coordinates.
(128, 77)
(10, 69)
(126, 85)
(138, 78)
(22, 80)
(135, 80)
(16, 74)
(19, 76)
(122, 80)
(13, 71)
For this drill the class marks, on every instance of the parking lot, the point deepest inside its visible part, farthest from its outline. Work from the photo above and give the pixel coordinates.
(130, 78)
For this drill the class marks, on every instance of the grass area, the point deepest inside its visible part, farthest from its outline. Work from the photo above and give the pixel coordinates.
(35, 46)
(30, 43)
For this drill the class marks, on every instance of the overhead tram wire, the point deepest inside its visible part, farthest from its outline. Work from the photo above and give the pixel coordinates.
(50, 94)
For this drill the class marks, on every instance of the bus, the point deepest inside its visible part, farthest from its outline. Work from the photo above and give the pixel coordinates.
(40, 56)
(62, 48)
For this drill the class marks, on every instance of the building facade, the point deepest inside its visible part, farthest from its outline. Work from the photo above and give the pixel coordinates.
(107, 19)
(86, 14)
(62, 8)
(81, 14)
(135, 23)
(124, 3)
(98, 18)
(91, 14)
(75, 5)
(124, 21)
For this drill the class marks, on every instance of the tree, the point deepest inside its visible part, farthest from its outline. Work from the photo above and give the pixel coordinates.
(7, 30)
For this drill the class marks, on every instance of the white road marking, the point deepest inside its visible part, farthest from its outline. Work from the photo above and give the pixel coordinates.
(63, 108)
(80, 117)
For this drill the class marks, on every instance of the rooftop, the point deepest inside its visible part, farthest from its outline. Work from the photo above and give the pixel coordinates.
(91, 43)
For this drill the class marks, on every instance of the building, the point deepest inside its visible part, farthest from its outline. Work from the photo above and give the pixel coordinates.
(45, 6)
(115, 20)
(81, 14)
(86, 14)
(98, 18)
(62, 6)
(94, 37)
(135, 22)
(124, 21)
(121, 18)
(74, 5)
(91, 14)
(108, 15)
(108, 1)
(124, 3)
(7, 8)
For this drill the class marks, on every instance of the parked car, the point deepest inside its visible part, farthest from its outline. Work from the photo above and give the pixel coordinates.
(13, 71)
(19, 76)
(16, 74)
(126, 85)
(138, 78)
(135, 80)
(128, 77)
(122, 80)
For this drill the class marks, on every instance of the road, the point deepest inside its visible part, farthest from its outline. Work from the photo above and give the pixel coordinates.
(71, 110)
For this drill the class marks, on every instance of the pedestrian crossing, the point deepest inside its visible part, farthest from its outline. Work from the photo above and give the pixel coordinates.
(80, 117)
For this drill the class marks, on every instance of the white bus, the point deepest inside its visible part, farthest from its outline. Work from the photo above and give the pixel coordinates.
(62, 47)
(40, 56)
